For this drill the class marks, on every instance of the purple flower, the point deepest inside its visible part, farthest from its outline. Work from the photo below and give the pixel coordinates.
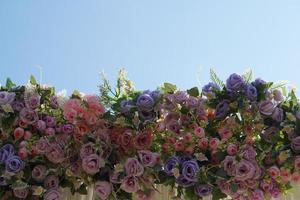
(14, 164)
(203, 190)
(21, 192)
(270, 134)
(244, 170)
(258, 82)
(6, 97)
(155, 94)
(18, 105)
(210, 88)
(126, 106)
(222, 109)
(278, 95)
(249, 153)
(32, 102)
(190, 170)
(133, 167)
(53, 194)
(40, 125)
(42, 146)
(130, 184)
(278, 115)
(39, 173)
(87, 149)
(54, 102)
(266, 107)
(28, 116)
(295, 144)
(148, 158)
(67, 128)
(235, 82)
(173, 125)
(51, 181)
(103, 189)
(2, 181)
(170, 164)
(145, 102)
(116, 177)
(182, 181)
(192, 102)
(5, 152)
(180, 96)
(229, 165)
(147, 116)
(92, 164)
(50, 121)
(251, 92)
(55, 153)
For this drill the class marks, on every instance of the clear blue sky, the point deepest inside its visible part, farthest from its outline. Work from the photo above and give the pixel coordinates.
(155, 40)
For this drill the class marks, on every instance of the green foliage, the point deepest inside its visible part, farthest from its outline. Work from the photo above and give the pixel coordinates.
(33, 80)
(214, 77)
(168, 88)
(9, 84)
(217, 194)
(193, 92)
(248, 76)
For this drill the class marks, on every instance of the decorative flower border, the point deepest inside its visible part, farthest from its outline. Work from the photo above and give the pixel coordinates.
(239, 139)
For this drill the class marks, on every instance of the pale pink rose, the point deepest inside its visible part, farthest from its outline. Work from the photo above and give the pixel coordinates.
(213, 143)
(133, 167)
(143, 140)
(148, 158)
(274, 171)
(203, 143)
(94, 104)
(23, 153)
(295, 177)
(18, 133)
(92, 164)
(55, 153)
(130, 184)
(90, 118)
(199, 132)
(27, 135)
(39, 173)
(103, 189)
(285, 175)
(297, 163)
(232, 149)
(225, 133)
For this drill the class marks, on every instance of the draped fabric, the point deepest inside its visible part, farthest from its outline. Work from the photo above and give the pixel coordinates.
(294, 194)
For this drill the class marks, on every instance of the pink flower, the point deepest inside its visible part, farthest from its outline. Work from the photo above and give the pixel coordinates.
(133, 167)
(130, 184)
(225, 133)
(39, 173)
(295, 177)
(103, 189)
(199, 132)
(285, 175)
(27, 135)
(94, 104)
(18, 133)
(42, 146)
(274, 172)
(51, 182)
(203, 143)
(275, 192)
(55, 154)
(22, 153)
(297, 163)
(179, 146)
(143, 140)
(87, 149)
(257, 195)
(148, 158)
(141, 195)
(232, 149)
(213, 143)
(92, 164)
(125, 139)
(20, 192)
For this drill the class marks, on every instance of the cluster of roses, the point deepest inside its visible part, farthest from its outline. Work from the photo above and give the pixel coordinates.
(239, 139)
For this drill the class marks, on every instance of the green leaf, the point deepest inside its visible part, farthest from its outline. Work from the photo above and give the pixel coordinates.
(193, 92)
(82, 189)
(169, 88)
(221, 173)
(234, 187)
(248, 76)
(279, 84)
(217, 194)
(33, 80)
(214, 77)
(9, 84)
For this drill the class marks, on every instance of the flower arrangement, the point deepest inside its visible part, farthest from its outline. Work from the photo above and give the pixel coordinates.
(238, 139)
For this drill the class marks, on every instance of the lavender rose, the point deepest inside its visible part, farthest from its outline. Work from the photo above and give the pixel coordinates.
(270, 134)
(147, 116)
(249, 153)
(182, 181)
(244, 170)
(133, 167)
(53, 194)
(67, 128)
(39, 173)
(258, 82)
(251, 92)
(51, 181)
(266, 107)
(148, 158)
(17, 105)
(222, 109)
(6, 97)
(203, 190)
(145, 102)
(20, 192)
(210, 88)
(50, 121)
(103, 189)
(235, 82)
(54, 102)
(42, 146)
(87, 149)
(40, 125)
(55, 153)
(5, 152)
(130, 184)
(14, 164)
(278, 115)
(28, 116)
(180, 96)
(126, 106)
(295, 144)
(32, 102)
(229, 164)
(171, 164)
(92, 164)
(190, 170)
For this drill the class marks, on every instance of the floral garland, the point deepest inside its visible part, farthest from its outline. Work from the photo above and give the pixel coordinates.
(239, 139)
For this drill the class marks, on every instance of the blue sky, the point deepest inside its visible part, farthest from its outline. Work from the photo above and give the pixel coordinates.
(155, 41)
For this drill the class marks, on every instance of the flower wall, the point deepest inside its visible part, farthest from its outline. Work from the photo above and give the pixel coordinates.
(240, 139)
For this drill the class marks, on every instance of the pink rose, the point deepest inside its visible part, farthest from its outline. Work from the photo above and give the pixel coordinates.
(42, 146)
(39, 173)
(257, 195)
(143, 140)
(141, 195)
(103, 189)
(53, 194)
(213, 143)
(133, 167)
(20, 192)
(297, 163)
(274, 172)
(285, 175)
(148, 158)
(232, 149)
(51, 182)
(18, 133)
(225, 133)
(92, 164)
(295, 177)
(199, 132)
(23, 153)
(203, 143)
(55, 154)
(27, 135)
(87, 149)
(130, 184)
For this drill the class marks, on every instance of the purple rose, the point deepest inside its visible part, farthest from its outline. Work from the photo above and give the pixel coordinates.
(192, 102)
(145, 102)
(40, 125)
(116, 177)
(133, 167)
(249, 153)
(295, 144)
(235, 82)
(42, 145)
(258, 82)
(50, 121)
(126, 106)
(28, 116)
(210, 88)
(170, 164)
(278, 115)
(87, 149)
(6, 151)
(155, 94)
(180, 96)
(50, 131)
(147, 116)
(67, 128)
(14, 164)
(103, 189)
(148, 158)
(2, 181)
(266, 107)
(229, 164)
(190, 170)
(18, 105)
(20, 192)
(222, 109)
(51, 181)
(39, 173)
(203, 190)
(173, 125)
(244, 170)
(270, 134)
(32, 102)
(278, 95)
(251, 92)
(55, 153)
(92, 164)
(53, 194)
(6, 97)
(130, 184)
(182, 181)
